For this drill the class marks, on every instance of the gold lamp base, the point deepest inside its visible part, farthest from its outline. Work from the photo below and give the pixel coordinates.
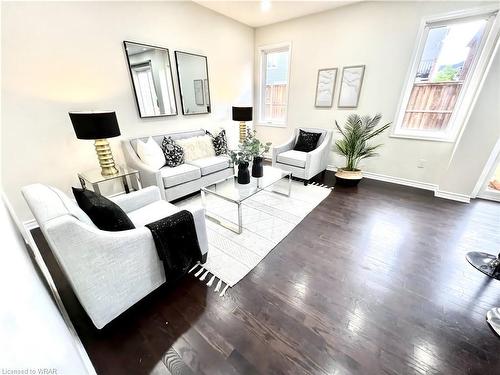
(243, 131)
(105, 157)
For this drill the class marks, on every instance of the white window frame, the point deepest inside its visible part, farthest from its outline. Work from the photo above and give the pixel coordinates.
(263, 50)
(471, 86)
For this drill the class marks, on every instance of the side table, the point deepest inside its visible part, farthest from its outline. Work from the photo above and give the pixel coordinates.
(94, 178)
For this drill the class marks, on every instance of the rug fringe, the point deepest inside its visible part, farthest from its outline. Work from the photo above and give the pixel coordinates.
(204, 276)
(211, 281)
(194, 267)
(219, 284)
(199, 272)
(224, 291)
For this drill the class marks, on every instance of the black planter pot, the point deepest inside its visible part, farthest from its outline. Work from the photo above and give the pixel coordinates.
(257, 167)
(243, 174)
(346, 181)
(345, 177)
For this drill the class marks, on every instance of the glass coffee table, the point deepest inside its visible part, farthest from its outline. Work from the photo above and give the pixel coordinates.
(229, 190)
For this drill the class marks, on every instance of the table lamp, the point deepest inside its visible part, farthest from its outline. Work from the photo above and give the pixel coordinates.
(98, 126)
(242, 114)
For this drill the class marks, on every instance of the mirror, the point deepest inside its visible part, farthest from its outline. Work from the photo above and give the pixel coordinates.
(151, 79)
(192, 71)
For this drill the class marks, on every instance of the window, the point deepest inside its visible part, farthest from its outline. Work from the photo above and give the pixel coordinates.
(445, 75)
(146, 92)
(275, 66)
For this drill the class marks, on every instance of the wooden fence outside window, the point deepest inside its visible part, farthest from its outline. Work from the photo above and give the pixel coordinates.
(275, 102)
(431, 105)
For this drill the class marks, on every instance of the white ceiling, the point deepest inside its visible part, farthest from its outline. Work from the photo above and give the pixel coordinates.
(257, 13)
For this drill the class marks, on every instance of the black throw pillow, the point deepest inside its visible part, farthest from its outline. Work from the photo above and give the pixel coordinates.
(174, 154)
(307, 141)
(219, 141)
(106, 215)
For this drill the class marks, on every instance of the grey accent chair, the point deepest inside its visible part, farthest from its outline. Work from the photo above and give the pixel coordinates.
(108, 271)
(187, 178)
(304, 165)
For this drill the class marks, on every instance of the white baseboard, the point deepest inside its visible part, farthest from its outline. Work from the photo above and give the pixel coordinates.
(416, 184)
(452, 196)
(395, 180)
(401, 181)
(30, 224)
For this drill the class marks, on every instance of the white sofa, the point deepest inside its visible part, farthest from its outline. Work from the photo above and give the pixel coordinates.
(108, 271)
(304, 165)
(184, 179)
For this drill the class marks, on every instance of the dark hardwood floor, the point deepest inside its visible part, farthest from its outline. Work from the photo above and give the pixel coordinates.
(373, 281)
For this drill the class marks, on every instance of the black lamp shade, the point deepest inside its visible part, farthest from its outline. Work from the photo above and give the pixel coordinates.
(242, 113)
(95, 125)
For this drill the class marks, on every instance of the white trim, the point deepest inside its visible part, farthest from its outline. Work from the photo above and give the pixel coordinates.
(452, 196)
(272, 124)
(415, 184)
(491, 195)
(271, 48)
(471, 86)
(401, 181)
(394, 180)
(30, 224)
(485, 174)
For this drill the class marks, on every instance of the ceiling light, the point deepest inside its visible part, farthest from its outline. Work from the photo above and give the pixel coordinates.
(265, 5)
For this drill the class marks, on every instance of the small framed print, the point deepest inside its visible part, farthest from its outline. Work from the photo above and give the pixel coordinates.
(350, 86)
(325, 87)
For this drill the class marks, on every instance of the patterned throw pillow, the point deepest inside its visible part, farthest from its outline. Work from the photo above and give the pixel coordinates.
(174, 155)
(220, 142)
(307, 141)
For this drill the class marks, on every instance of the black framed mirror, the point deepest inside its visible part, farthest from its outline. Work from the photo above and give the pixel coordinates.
(152, 82)
(192, 72)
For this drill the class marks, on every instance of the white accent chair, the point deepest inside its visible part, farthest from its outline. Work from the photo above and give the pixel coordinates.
(304, 165)
(108, 271)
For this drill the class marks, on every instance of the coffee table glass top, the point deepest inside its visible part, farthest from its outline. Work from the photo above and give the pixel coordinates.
(230, 189)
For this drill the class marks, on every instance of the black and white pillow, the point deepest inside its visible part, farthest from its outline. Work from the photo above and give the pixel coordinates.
(174, 154)
(307, 141)
(220, 142)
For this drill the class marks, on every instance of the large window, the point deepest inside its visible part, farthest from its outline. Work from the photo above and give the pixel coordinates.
(275, 63)
(445, 75)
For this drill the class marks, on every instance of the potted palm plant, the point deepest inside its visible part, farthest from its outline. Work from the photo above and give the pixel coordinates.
(353, 145)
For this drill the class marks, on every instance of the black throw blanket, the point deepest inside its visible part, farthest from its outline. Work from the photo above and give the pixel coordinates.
(176, 243)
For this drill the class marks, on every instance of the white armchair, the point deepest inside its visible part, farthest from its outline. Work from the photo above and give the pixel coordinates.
(108, 271)
(304, 165)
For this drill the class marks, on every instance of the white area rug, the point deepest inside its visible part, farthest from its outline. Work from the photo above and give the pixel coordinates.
(267, 219)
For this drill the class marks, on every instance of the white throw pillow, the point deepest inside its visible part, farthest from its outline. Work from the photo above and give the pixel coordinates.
(151, 153)
(197, 147)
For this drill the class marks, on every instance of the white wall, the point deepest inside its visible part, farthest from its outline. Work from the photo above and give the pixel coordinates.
(33, 333)
(380, 35)
(63, 56)
(478, 139)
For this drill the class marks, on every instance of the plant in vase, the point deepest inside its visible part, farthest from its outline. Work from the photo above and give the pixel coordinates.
(353, 145)
(257, 149)
(250, 149)
(242, 158)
